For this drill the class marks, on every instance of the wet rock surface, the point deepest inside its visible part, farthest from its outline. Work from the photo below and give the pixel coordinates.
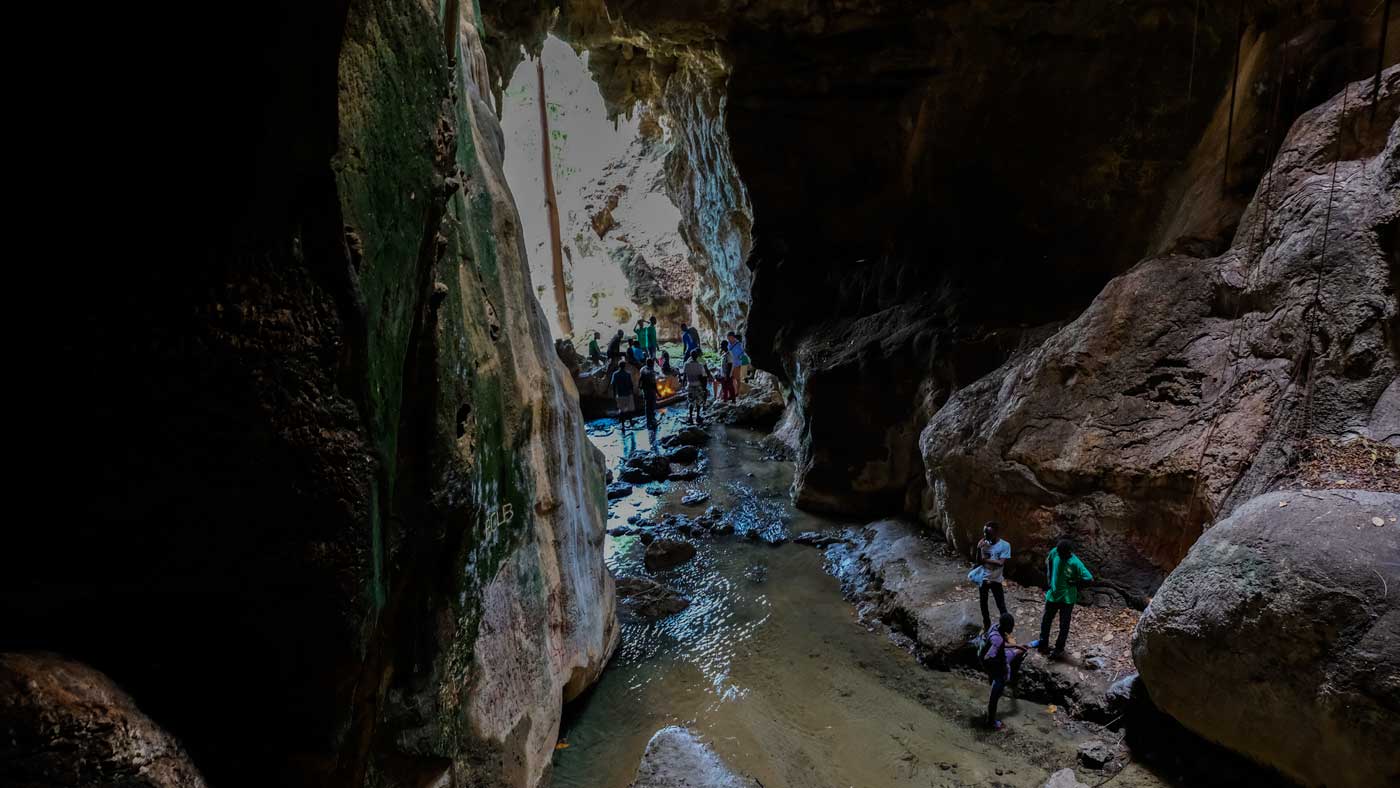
(645, 466)
(646, 598)
(1278, 636)
(677, 758)
(901, 578)
(760, 407)
(68, 724)
(667, 553)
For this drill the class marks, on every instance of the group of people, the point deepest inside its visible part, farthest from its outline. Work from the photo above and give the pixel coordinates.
(634, 372)
(1001, 656)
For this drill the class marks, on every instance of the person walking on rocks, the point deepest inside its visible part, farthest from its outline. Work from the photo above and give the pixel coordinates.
(648, 386)
(622, 390)
(697, 381)
(1065, 573)
(1002, 661)
(992, 554)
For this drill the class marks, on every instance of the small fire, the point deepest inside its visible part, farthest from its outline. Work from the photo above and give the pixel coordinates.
(666, 387)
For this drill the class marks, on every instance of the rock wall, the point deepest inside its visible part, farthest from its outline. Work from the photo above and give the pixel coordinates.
(329, 516)
(638, 58)
(938, 187)
(1183, 387)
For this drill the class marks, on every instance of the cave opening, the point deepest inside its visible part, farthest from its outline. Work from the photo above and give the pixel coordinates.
(625, 250)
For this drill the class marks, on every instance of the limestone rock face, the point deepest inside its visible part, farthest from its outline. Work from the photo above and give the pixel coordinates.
(676, 758)
(1278, 636)
(916, 234)
(1179, 392)
(346, 528)
(67, 724)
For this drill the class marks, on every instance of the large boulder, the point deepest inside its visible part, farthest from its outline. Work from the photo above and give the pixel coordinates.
(676, 758)
(1279, 636)
(65, 723)
(759, 408)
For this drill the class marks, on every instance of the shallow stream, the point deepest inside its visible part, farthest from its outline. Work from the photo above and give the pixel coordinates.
(770, 666)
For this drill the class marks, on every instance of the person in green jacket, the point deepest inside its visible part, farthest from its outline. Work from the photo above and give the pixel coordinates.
(640, 332)
(651, 345)
(595, 353)
(1065, 573)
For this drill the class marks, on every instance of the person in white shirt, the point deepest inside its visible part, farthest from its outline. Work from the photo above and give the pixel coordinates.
(992, 554)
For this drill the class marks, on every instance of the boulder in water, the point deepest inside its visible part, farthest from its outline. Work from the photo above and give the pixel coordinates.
(695, 497)
(666, 553)
(619, 490)
(1278, 636)
(683, 455)
(676, 758)
(645, 466)
(1064, 778)
(646, 598)
(686, 436)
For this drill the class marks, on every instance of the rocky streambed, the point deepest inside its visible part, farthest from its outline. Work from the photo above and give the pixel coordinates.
(750, 648)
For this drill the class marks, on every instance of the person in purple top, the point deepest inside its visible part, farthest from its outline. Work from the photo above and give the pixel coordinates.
(1002, 660)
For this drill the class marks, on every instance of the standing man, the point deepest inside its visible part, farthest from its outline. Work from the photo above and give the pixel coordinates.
(648, 386)
(1066, 573)
(595, 354)
(697, 381)
(615, 347)
(737, 357)
(622, 390)
(689, 342)
(992, 553)
(652, 345)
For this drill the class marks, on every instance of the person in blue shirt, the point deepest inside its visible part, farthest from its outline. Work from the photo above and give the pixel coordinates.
(737, 358)
(688, 341)
(635, 351)
(992, 554)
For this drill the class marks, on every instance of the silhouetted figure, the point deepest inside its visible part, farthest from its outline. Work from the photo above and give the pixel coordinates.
(615, 347)
(648, 386)
(622, 390)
